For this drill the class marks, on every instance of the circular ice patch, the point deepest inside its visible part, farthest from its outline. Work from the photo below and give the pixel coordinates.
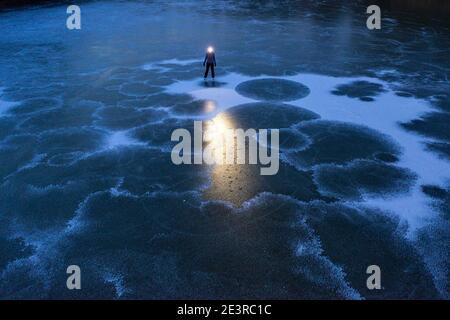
(266, 115)
(339, 142)
(158, 134)
(273, 90)
(363, 177)
(292, 140)
(363, 90)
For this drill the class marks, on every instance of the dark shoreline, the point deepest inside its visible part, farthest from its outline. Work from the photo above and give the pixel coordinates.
(438, 7)
(23, 4)
(14, 4)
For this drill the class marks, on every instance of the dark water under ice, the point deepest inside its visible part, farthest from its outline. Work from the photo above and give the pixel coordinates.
(86, 176)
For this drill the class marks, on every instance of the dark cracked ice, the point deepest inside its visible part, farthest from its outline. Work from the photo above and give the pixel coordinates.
(86, 175)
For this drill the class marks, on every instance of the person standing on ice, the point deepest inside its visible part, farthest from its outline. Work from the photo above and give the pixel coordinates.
(210, 62)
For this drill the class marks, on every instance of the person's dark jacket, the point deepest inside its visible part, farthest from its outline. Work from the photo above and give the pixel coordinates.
(210, 58)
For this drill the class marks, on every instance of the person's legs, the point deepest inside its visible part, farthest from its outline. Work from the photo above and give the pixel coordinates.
(207, 70)
(212, 71)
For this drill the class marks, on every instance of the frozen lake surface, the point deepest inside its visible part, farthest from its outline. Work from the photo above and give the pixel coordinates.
(86, 177)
